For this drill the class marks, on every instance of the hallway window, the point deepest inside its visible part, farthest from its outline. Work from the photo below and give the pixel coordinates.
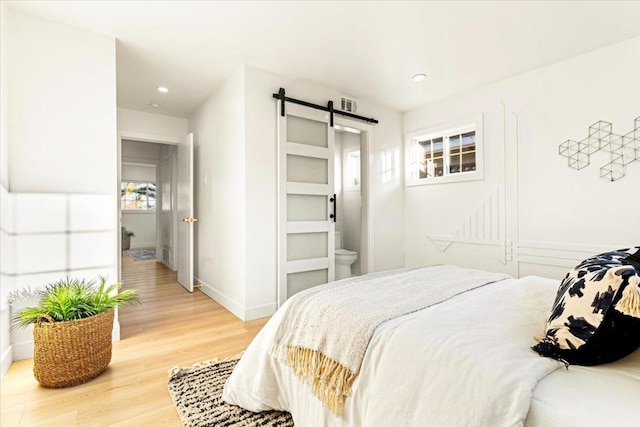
(137, 196)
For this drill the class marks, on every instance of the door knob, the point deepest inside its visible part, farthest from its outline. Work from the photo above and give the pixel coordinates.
(190, 219)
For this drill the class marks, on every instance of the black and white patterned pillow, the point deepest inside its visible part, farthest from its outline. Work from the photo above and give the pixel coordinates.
(596, 315)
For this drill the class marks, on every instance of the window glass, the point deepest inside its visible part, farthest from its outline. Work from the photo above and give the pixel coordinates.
(352, 170)
(454, 144)
(451, 152)
(137, 195)
(426, 162)
(469, 152)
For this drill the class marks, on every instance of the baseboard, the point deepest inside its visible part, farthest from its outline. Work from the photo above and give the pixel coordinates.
(259, 311)
(169, 265)
(115, 332)
(7, 359)
(243, 313)
(235, 308)
(23, 350)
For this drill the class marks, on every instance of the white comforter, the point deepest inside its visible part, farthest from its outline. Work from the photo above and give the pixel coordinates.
(466, 362)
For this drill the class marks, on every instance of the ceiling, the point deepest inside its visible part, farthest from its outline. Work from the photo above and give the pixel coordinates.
(363, 49)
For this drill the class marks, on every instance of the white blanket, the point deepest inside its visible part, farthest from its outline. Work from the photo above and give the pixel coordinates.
(312, 338)
(466, 362)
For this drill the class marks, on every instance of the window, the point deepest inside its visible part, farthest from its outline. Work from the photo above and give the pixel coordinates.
(445, 154)
(352, 170)
(138, 196)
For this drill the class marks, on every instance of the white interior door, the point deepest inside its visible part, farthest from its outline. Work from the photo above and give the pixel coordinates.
(306, 200)
(185, 212)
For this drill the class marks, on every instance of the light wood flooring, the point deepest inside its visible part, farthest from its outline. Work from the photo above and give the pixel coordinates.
(170, 328)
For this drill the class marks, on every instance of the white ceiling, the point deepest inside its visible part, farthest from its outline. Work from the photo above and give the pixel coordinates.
(365, 49)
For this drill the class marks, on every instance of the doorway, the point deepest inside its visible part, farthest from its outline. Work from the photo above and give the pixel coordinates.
(156, 191)
(147, 201)
(348, 184)
(352, 184)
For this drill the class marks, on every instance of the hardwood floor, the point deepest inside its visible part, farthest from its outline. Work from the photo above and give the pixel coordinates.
(170, 328)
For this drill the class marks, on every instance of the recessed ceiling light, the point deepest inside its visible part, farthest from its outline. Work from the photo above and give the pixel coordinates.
(154, 105)
(419, 77)
(162, 89)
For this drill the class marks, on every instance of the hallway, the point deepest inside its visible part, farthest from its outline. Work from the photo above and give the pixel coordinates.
(171, 327)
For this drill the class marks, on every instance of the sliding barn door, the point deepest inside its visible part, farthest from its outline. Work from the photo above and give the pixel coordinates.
(306, 200)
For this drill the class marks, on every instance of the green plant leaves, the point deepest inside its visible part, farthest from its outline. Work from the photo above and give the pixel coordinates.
(70, 299)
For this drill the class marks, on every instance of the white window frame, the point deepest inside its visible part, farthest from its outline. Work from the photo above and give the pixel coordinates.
(412, 151)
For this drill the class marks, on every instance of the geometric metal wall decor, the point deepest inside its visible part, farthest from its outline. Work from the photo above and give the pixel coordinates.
(623, 149)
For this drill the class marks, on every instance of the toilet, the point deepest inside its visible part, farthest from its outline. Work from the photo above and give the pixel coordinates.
(344, 259)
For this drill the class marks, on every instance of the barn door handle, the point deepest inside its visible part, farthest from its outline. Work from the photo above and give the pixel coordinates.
(334, 201)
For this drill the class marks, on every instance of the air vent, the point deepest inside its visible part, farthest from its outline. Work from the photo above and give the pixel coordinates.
(348, 104)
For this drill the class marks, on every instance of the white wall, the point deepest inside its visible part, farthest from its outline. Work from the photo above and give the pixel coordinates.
(219, 144)
(142, 126)
(61, 107)
(387, 189)
(235, 135)
(6, 276)
(138, 172)
(6, 249)
(4, 100)
(136, 150)
(60, 118)
(551, 215)
(143, 225)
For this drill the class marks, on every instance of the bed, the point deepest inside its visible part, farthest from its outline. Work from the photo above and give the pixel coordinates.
(465, 361)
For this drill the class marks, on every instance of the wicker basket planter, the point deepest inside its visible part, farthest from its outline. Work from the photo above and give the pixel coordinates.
(126, 243)
(126, 238)
(71, 352)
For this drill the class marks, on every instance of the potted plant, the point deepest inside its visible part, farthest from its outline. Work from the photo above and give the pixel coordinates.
(73, 320)
(126, 238)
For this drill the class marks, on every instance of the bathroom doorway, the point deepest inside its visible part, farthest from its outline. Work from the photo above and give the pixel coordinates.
(351, 181)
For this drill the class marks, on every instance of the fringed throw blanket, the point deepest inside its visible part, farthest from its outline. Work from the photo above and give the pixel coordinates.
(325, 332)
